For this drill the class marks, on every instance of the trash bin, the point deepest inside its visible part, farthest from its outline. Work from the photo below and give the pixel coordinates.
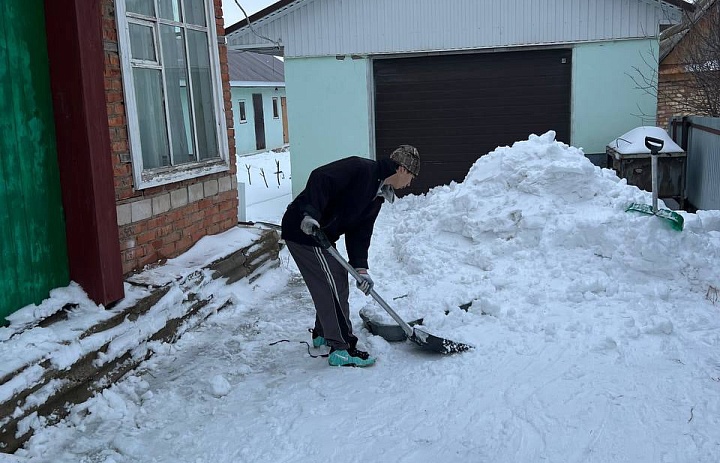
(630, 159)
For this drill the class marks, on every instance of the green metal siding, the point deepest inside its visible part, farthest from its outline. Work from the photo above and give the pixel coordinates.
(33, 255)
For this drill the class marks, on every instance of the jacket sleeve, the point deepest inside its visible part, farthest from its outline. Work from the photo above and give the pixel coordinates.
(357, 241)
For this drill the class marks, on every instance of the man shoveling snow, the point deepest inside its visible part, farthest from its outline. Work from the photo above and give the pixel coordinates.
(342, 198)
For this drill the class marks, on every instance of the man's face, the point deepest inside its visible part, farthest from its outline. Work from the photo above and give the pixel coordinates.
(403, 178)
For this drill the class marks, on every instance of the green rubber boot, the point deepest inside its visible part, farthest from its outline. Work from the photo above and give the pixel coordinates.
(350, 358)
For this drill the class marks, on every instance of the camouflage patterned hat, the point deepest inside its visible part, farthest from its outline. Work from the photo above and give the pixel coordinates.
(408, 157)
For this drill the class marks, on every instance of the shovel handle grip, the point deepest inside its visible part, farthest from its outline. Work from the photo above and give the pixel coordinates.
(654, 144)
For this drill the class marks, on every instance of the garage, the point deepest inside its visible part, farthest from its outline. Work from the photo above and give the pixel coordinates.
(456, 107)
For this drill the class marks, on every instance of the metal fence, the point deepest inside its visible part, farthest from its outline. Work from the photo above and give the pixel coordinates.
(699, 137)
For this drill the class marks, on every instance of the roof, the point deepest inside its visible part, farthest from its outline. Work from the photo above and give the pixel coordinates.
(260, 14)
(682, 4)
(246, 66)
(672, 36)
(333, 28)
(281, 4)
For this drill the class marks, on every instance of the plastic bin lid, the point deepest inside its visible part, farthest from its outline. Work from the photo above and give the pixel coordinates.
(633, 142)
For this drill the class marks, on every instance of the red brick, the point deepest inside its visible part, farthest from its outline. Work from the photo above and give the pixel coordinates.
(146, 237)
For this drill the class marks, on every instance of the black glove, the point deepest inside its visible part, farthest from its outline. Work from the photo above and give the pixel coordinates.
(365, 283)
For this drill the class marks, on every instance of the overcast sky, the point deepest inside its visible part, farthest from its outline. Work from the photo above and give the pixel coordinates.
(233, 13)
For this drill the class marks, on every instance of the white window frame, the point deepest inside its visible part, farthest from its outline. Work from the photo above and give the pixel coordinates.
(171, 174)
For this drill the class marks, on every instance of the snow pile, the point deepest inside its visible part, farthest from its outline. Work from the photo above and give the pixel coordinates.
(534, 222)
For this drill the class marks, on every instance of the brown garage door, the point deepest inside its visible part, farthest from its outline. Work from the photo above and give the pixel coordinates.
(456, 108)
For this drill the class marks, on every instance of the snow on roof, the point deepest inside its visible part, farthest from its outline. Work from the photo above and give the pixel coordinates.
(633, 142)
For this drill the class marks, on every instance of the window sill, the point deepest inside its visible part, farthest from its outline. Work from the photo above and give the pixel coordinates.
(167, 175)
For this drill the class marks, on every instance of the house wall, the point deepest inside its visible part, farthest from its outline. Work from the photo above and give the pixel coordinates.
(675, 90)
(245, 132)
(162, 222)
(330, 116)
(606, 102)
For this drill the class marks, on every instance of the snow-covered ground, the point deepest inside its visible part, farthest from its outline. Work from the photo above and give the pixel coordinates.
(264, 180)
(596, 334)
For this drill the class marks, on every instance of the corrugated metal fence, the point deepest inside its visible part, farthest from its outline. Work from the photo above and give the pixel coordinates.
(700, 138)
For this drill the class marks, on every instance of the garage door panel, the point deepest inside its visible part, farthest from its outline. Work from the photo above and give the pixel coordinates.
(444, 129)
(455, 108)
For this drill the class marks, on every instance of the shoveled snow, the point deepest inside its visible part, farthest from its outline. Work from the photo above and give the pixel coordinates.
(596, 334)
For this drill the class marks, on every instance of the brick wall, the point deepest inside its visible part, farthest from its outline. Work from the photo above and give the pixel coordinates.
(673, 93)
(162, 222)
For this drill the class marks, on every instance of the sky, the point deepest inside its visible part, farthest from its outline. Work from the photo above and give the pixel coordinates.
(232, 13)
(596, 334)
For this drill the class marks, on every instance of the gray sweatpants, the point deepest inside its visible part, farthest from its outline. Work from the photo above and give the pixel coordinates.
(327, 282)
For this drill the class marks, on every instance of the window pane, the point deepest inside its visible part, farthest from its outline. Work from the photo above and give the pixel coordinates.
(177, 93)
(151, 117)
(142, 45)
(169, 9)
(243, 117)
(195, 12)
(146, 7)
(203, 95)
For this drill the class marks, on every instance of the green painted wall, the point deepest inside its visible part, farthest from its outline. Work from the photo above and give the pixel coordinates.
(245, 133)
(606, 102)
(33, 255)
(328, 112)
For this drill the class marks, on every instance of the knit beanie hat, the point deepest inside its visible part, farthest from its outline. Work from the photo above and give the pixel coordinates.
(408, 157)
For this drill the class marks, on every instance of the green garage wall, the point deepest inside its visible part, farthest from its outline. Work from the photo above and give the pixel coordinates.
(328, 112)
(606, 102)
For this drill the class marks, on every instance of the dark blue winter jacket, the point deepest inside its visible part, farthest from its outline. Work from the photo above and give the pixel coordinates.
(342, 197)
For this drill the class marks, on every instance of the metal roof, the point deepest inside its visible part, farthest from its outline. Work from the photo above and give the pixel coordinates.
(281, 4)
(246, 66)
(315, 28)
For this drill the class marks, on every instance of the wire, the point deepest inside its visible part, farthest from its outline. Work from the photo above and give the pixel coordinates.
(252, 29)
(301, 342)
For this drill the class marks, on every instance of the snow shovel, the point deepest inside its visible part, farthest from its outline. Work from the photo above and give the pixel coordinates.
(420, 337)
(675, 219)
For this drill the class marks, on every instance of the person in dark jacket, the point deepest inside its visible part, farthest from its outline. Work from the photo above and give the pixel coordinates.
(342, 198)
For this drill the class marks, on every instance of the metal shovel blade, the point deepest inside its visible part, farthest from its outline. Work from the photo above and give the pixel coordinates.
(436, 344)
